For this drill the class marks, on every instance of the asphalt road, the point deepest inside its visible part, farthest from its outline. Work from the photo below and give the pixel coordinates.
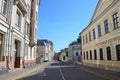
(62, 71)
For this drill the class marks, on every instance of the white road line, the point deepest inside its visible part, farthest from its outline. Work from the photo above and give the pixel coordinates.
(62, 74)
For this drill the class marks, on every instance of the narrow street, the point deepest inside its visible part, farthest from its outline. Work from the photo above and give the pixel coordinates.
(62, 71)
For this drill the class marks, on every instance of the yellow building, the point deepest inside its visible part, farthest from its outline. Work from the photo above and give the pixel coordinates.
(62, 56)
(101, 38)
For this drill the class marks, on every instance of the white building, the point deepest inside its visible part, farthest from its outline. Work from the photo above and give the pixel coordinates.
(18, 26)
(45, 49)
(74, 52)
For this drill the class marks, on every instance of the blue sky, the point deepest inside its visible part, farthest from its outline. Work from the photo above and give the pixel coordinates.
(61, 21)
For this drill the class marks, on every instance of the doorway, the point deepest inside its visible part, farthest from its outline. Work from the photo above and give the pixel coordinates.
(17, 54)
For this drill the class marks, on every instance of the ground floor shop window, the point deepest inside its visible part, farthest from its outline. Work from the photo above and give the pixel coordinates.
(118, 52)
(1, 47)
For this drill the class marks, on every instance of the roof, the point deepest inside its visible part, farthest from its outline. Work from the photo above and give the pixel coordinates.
(41, 42)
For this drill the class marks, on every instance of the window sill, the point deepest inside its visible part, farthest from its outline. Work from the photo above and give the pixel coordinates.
(3, 17)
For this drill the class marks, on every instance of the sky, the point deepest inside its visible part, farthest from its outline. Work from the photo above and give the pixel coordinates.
(61, 21)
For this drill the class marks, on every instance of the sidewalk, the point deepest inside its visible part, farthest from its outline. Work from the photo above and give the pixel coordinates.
(109, 75)
(19, 73)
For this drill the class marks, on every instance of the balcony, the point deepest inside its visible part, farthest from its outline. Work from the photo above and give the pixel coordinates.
(21, 5)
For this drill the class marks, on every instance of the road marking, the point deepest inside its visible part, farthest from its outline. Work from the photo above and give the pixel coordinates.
(62, 74)
(59, 66)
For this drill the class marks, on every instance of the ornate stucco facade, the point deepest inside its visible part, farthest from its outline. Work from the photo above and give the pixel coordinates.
(16, 30)
(101, 38)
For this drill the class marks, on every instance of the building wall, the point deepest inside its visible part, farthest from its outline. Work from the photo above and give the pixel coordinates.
(15, 28)
(46, 49)
(110, 39)
(74, 52)
(4, 17)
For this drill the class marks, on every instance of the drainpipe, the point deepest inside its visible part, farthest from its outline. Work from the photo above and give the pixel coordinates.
(10, 33)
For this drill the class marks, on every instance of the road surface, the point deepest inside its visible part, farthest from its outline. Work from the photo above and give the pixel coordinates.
(62, 71)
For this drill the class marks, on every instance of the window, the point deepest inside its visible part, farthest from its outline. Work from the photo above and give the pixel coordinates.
(106, 26)
(76, 53)
(101, 53)
(84, 55)
(90, 55)
(94, 36)
(3, 6)
(118, 52)
(86, 38)
(35, 33)
(95, 55)
(18, 18)
(1, 46)
(108, 53)
(89, 36)
(116, 20)
(83, 40)
(87, 54)
(99, 31)
(26, 50)
(29, 10)
(27, 29)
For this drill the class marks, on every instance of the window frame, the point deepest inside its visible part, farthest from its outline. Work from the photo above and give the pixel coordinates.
(87, 55)
(2, 47)
(101, 53)
(84, 55)
(89, 36)
(86, 39)
(94, 35)
(3, 7)
(118, 52)
(108, 51)
(18, 19)
(99, 31)
(116, 20)
(77, 54)
(106, 26)
(90, 54)
(95, 54)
